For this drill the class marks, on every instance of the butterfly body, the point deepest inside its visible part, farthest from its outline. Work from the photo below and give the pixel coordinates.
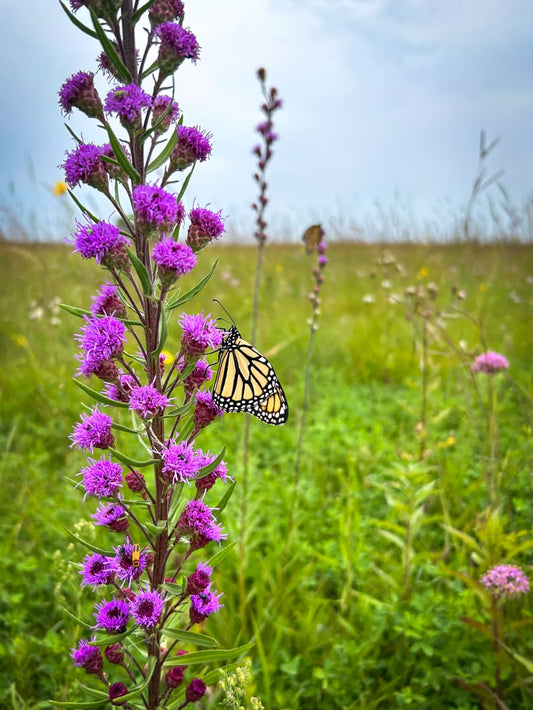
(246, 382)
(312, 237)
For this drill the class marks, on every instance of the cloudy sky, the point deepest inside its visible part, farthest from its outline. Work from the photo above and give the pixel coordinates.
(384, 101)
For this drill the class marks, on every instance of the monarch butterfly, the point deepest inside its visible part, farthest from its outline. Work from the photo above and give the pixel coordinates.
(312, 237)
(246, 382)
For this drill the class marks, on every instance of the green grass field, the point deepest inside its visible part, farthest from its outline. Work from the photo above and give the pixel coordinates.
(413, 480)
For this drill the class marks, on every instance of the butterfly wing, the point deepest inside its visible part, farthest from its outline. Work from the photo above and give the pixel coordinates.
(246, 382)
(312, 237)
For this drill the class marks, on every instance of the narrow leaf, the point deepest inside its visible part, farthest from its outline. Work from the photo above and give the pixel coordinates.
(88, 545)
(163, 332)
(134, 463)
(80, 706)
(140, 12)
(191, 637)
(186, 182)
(98, 396)
(77, 22)
(82, 207)
(164, 155)
(110, 50)
(210, 656)
(226, 497)
(142, 272)
(121, 156)
(221, 554)
(178, 300)
(206, 470)
(175, 590)
(155, 529)
(76, 619)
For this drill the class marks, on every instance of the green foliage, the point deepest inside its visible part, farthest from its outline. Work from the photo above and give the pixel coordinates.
(374, 601)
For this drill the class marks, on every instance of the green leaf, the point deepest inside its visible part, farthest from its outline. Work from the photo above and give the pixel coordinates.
(82, 208)
(77, 22)
(186, 182)
(74, 135)
(110, 50)
(226, 497)
(88, 545)
(191, 637)
(140, 12)
(134, 463)
(164, 155)
(175, 590)
(121, 156)
(98, 396)
(221, 554)
(163, 332)
(206, 470)
(80, 312)
(178, 300)
(77, 705)
(210, 656)
(142, 272)
(155, 529)
(82, 623)
(150, 69)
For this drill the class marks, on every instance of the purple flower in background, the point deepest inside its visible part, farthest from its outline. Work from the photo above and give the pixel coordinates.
(122, 564)
(147, 401)
(155, 209)
(179, 462)
(200, 579)
(127, 102)
(117, 690)
(112, 616)
(146, 608)
(88, 657)
(93, 432)
(203, 604)
(199, 334)
(96, 571)
(97, 240)
(85, 165)
(490, 363)
(173, 259)
(195, 690)
(505, 580)
(79, 92)
(165, 112)
(113, 516)
(176, 45)
(192, 145)
(205, 411)
(204, 227)
(166, 11)
(107, 302)
(102, 478)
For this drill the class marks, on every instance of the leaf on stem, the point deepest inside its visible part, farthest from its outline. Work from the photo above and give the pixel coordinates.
(179, 300)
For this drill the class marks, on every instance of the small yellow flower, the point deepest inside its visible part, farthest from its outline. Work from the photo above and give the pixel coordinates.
(279, 268)
(450, 441)
(168, 357)
(423, 273)
(20, 340)
(482, 287)
(59, 188)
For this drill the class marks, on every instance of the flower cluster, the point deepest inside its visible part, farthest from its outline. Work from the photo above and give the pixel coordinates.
(505, 581)
(490, 363)
(146, 483)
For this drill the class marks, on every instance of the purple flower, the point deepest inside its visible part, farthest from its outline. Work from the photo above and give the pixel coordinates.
(179, 462)
(79, 92)
(195, 690)
(102, 478)
(173, 259)
(101, 339)
(207, 482)
(174, 677)
(199, 334)
(165, 112)
(177, 44)
(166, 11)
(96, 571)
(204, 227)
(113, 516)
(127, 102)
(117, 690)
(135, 481)
(197, 521)
(147, 401)
(114, 654)
(93, 432)
(88, 657)
(146, 608)
(201, 374)
(205, 411)
(200, 579)
(121, 390)
(203, 604)
(85, 165)
(114, 170)
(98, 241)
(112, 616)
(192, 145)
(155, 209)
(107, 302)
(490, 363)
(122, 564)
(505, 580)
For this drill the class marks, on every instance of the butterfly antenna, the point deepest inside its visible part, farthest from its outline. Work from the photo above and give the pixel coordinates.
(225, 310)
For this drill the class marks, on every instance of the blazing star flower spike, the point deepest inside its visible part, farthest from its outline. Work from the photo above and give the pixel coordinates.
(177, 44)
(490, 363)
(128, 103)
(506, 581)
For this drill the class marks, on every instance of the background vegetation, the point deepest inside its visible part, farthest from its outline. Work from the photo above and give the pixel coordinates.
(414, 480)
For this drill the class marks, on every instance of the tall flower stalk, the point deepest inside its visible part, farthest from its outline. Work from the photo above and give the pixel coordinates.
(150, 479)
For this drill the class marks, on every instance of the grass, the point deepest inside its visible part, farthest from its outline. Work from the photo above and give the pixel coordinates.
(366, 606)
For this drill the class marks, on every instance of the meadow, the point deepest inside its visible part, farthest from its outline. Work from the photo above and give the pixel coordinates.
(356, 570)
